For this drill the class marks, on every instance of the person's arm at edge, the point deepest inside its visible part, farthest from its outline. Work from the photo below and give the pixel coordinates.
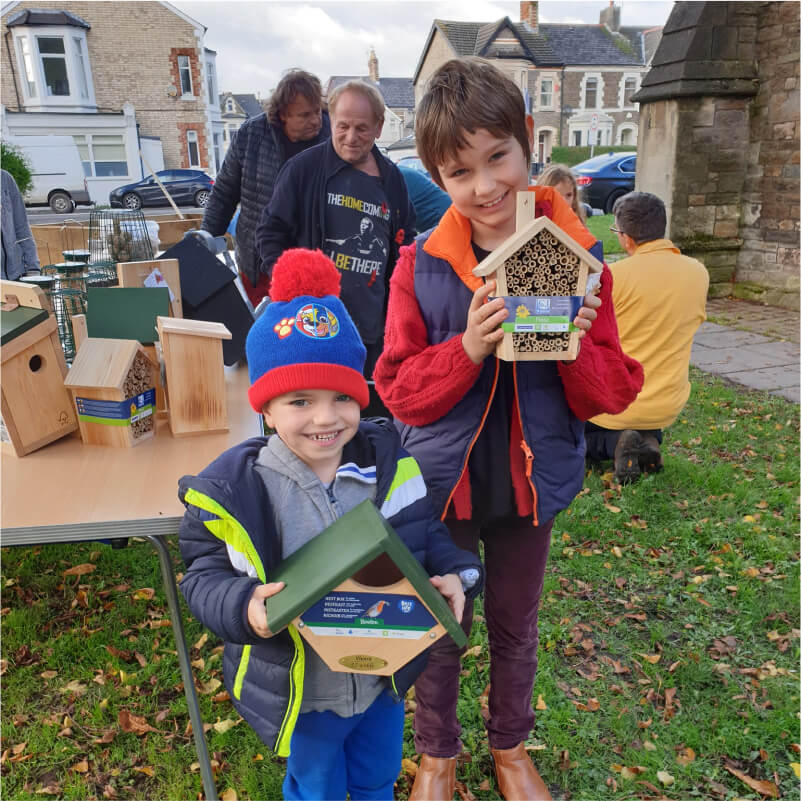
(418, 382)
(24, 235)
(226, 193)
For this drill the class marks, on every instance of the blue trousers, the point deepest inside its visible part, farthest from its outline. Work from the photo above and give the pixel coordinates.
(332, 756)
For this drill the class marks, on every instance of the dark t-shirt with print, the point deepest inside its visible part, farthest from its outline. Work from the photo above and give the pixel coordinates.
(357, 226)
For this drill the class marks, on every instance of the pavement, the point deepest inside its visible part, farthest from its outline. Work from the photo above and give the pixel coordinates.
(750, 344)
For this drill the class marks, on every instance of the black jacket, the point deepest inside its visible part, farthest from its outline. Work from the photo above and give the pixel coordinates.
(247, 177)
(295, 218)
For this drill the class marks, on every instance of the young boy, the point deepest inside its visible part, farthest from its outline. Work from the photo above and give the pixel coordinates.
(262, 500)
(500, 444)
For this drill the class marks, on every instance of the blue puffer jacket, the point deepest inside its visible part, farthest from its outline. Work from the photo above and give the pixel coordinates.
(228, 510)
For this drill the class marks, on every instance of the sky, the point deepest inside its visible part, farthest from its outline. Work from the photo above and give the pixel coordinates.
(257, 41)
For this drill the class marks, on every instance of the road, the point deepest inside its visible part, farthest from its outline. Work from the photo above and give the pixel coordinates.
(42, 215)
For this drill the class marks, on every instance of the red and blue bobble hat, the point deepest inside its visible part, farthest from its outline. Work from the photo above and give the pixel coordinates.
(305, 338)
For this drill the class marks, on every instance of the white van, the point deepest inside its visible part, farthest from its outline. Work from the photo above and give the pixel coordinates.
(57, 171)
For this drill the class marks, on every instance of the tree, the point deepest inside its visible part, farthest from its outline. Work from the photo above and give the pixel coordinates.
(14, 162)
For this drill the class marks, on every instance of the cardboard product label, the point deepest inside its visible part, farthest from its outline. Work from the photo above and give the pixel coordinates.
(368, 614)
(536, 314)
(117, 413)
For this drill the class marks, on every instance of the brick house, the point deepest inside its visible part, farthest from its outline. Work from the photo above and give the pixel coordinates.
(235, 110)
(574, 77)
(117, 77)
(398, 94)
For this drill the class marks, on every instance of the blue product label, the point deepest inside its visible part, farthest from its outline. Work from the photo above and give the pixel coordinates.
(368, 614)
(117, 413)
(541, 314)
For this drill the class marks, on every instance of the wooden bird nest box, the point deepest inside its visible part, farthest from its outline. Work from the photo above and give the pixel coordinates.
(359, 597)
(113, 382)
(35, 406)
(541, 272)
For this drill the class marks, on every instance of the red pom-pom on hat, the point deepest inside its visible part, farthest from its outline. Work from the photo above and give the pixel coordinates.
(299, 272)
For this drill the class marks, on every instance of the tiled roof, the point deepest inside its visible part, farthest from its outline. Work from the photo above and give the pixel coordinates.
(595, 45)
(38, 16)
(552, 44)
(250, 104)
(397, 92)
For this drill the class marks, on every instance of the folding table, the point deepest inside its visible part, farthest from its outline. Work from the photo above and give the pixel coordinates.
(97, 492)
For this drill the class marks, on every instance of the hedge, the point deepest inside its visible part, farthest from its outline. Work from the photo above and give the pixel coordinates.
(14, 162)
(573, 155)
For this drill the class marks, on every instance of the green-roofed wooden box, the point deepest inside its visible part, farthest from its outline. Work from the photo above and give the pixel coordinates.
(359, 597)
(35, 405)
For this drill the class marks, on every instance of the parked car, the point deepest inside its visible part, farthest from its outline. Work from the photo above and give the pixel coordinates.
(186, 187)
(605, 178)
(57, 172)
(415, 163)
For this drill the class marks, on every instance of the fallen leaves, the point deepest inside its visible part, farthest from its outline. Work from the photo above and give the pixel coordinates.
(133, 724)
(760, 785)
(79, 570)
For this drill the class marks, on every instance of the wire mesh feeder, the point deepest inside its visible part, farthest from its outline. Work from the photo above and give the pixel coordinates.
(66, 299)
(118, 235)
(102, 273)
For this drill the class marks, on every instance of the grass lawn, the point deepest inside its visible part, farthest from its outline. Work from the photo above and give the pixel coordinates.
(669, 644)
(599, 227)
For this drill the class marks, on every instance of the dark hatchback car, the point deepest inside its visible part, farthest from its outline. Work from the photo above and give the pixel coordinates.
(186, 187)
(605, 178)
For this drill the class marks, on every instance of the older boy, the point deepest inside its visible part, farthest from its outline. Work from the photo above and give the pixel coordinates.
(500, 444)
(262, 500)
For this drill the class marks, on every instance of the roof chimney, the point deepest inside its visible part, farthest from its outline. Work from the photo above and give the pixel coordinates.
(372, 66)
(610, 17)
(529, 13)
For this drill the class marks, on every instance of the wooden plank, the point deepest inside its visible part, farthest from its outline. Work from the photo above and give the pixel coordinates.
(195, 382)
(199, 328)
(26, 294)
(79, 330)
(134, 273)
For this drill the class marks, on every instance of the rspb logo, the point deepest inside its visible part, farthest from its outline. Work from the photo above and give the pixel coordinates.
(542, 305)
(406, 605)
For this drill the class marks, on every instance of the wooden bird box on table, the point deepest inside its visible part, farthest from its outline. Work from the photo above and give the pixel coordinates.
(36, 407)
(542, 273)
(113, 384)
(359, 597)
(193, 360)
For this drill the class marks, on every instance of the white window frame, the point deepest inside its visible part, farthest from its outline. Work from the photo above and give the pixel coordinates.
(628, 76)
(185, 66)
(77, 63)
(90, 144)
(543, 81)
(27, 66)
(599, 91)
(192, 139)
(211, 84)
(45, 57)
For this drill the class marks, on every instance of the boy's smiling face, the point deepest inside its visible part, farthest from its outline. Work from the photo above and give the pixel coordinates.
(315, 424)
(483, 180)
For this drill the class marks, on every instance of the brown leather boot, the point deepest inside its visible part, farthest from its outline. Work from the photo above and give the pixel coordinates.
(435, 779)
(518, 779)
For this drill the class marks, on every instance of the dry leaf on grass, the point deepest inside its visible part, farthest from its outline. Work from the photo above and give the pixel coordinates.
(78, 570)
(761, 786)
(133, 724)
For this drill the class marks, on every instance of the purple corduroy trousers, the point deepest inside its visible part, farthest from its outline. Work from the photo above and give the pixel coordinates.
(514, 557)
